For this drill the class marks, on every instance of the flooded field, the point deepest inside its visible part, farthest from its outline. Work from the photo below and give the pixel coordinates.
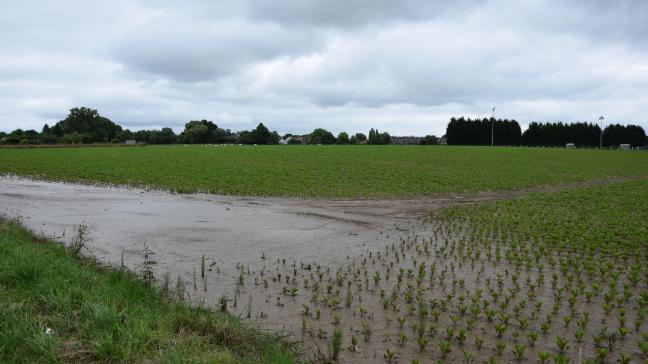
(368, 281)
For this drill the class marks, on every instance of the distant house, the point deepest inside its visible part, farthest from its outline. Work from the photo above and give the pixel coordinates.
(406, 140)
(570, 145)
(130, 142)
(285, 140)
(304, 139)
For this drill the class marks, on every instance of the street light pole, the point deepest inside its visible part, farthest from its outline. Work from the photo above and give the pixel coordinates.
(601, 118)
(492, 121)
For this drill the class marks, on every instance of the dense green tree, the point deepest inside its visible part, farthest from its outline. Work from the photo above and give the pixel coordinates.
(463, 131)
(559, 134)
(56, 130)
(260, 135)
(322, 136)
(167, 136)
(46, 136)
(197, 134)
(430, 140)
(385, 138)
(125, 135)
(14, 137)
(72, 138)
(199, 131)
(616, 134)
(376, 137)
(343, 138)
(274, 138)
(90, 126)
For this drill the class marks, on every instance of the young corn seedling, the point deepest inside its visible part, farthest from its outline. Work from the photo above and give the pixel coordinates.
(402, 338)
(499, 329)
(561, 344)
(445, 347)
(354, 344)
(479, 342)
(422, 342)
(469, 357)
(500, 346)
(336, 343)
(461, 337)
(389, 355)
(518, 351)
(544, 357)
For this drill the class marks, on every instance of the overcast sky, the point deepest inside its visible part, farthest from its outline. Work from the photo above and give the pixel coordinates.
(401, 66)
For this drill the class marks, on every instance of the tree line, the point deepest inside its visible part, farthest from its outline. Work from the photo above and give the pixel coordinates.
(583, 134)
(462, 131)
(85, 126)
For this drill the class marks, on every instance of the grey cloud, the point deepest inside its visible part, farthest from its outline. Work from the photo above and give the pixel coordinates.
(201, 51)
(355, 13)
(404, 67)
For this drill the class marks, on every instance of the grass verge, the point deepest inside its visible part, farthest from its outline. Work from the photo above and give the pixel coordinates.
(54, 308)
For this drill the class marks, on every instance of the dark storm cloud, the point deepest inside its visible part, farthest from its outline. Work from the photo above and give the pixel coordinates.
(404, 66)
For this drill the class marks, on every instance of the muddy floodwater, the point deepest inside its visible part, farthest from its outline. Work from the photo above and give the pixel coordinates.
(232, 233)
(180, 229)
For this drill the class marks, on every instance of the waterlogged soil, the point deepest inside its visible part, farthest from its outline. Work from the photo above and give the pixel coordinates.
(397, 288)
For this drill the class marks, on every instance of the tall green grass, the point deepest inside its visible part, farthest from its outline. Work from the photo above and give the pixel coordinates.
(54, 308)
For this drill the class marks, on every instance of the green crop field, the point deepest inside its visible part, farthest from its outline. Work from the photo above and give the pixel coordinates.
(322, 171)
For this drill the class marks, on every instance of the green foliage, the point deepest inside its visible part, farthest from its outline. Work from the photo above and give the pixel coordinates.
(343, 138)
(89, 125)
(261, 135)
(616, 134)
(430, 140)
(375, 137)
(322, 136)
(559, 134)
(358, 138)
(463, 131)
